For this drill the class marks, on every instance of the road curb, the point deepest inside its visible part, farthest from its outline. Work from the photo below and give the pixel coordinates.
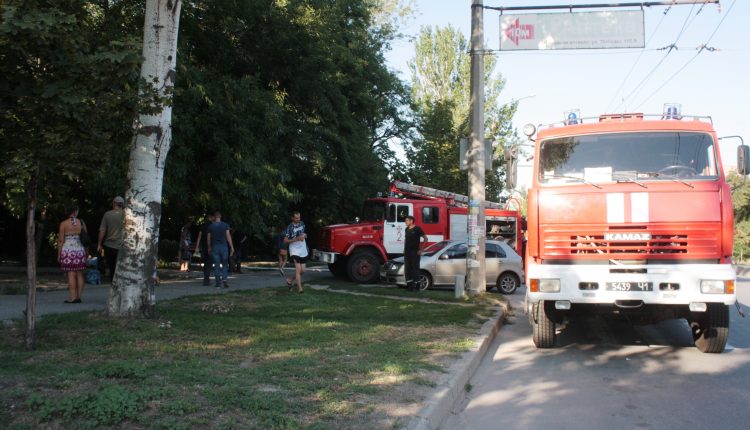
(451, 390)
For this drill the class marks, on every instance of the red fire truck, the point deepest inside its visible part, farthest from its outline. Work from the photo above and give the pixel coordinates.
(357, 250)
(631, 215)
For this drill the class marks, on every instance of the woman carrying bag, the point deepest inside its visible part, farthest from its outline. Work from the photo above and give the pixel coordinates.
(71, 253)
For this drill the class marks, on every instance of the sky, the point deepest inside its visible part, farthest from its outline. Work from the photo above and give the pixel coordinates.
(595, 81)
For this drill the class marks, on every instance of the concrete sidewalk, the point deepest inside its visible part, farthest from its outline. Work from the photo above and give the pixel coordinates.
(95, 296)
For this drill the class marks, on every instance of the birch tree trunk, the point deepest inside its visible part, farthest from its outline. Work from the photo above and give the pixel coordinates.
(132, 289)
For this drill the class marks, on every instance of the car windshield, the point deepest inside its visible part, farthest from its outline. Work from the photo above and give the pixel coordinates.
(435, 247)
(628, 157)
(373, 211)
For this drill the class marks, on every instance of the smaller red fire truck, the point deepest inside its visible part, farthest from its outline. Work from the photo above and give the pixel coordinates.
(357, 250)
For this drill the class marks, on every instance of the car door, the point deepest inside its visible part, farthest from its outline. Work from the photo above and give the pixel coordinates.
(451, 263)
(493, 259)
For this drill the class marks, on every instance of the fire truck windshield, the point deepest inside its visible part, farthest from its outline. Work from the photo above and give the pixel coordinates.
(628, 157)
(373, 211)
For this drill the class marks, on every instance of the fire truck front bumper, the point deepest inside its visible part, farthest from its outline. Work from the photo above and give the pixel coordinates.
(667, 284)
(325, 256)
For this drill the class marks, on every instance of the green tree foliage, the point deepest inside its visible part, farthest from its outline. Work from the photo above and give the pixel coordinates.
(281, 105)
(741, 200)
(278, 105)
(66, 97)
(441, 104)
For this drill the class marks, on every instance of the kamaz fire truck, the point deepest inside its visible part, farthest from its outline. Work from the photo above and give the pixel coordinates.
(631, 215)
(357, 250)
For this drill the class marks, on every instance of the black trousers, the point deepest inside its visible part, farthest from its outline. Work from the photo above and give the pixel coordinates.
(110, 256)
(207, 264)
(411, 268)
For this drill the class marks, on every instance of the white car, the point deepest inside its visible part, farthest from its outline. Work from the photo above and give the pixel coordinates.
(441, 262)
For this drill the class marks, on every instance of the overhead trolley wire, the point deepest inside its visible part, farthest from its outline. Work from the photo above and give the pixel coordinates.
(625, 80)
(673, 46)
(703, 47)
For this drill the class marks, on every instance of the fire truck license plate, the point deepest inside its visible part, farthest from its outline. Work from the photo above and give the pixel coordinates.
(630, 286)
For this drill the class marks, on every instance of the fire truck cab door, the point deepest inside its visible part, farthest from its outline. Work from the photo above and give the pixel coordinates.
(393, 236)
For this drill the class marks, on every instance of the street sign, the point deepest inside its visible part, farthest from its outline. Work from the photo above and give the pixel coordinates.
(572, 30)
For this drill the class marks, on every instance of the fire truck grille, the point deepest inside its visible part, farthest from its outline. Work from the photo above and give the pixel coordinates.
(696, 241)
(324, 239)
(673, 244)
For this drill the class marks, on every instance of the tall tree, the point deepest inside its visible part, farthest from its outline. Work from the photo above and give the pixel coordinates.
(441, 105)
(65, 85)
(132, 289)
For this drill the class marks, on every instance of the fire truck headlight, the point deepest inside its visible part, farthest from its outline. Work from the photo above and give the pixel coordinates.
(544, 285)
(712, 286)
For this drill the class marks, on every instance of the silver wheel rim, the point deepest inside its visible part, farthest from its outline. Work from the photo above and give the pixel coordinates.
(507, 283)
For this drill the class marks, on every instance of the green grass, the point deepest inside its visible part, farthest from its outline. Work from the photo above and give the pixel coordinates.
(437, 294)
(265, 359)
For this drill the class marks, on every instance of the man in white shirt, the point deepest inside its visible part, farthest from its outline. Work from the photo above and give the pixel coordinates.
(295, 236)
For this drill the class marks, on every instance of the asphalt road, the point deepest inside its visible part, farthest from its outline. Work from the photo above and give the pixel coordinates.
(611, 375)
(95, 296)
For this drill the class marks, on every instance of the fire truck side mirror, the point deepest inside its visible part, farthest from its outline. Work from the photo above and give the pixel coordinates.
(743, 159)
(510, 173)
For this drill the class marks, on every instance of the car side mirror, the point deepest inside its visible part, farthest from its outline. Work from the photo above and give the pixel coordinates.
(444, 257)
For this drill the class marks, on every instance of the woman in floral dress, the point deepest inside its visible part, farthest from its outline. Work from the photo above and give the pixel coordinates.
(71, 254)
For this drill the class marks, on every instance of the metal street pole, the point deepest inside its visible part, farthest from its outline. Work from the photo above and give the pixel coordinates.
(475, 267)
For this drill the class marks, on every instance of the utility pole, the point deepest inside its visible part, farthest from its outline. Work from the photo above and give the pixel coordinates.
(475, 264)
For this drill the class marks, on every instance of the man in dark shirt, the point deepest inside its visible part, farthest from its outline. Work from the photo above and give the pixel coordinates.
(111, 234)
(413, 235)
(220, 247)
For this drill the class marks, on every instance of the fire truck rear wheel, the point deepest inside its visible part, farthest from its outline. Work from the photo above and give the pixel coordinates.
(711, 332)
(363, 267)
(543, 324)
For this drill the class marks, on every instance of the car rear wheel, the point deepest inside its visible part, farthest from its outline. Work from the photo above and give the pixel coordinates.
(425, 280)
(507, 283)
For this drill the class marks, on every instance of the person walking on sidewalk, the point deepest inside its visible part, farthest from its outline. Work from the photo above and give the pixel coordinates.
(185, 245)
(295, 236)
(220, 248)
(111, 234)
(201, 245)
(413, 235)
(71, 253)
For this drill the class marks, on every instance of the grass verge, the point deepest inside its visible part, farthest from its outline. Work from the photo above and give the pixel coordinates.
(253, 359)
(446, 295)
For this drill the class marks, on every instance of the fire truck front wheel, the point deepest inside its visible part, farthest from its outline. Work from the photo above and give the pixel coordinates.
(363, 267)
(711, 330)
(543, 324)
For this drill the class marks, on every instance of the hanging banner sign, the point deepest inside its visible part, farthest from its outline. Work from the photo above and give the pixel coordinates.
(572, 30)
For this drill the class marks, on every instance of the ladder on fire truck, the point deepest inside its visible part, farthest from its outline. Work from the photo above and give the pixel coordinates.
(420, 191)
